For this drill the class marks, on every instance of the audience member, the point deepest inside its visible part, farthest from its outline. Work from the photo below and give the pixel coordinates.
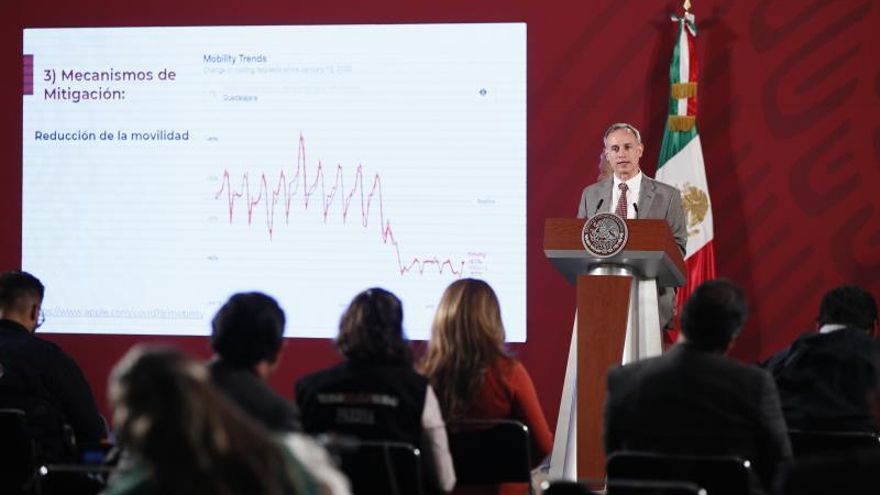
(695, 400)
(37, 377)
(474, 376)
(248, 332)
(375, 394)
(825, 377)
(185, 438)
(852, 471)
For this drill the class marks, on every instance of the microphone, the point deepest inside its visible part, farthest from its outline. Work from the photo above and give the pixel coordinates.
(636, 207)
(601, 200)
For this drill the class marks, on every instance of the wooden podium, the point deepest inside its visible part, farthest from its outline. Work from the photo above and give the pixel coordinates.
(607, 310)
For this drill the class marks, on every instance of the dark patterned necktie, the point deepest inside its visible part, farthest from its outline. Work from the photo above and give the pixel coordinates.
(621, 203)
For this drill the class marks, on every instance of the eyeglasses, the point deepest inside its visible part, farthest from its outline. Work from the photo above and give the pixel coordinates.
(41, 318)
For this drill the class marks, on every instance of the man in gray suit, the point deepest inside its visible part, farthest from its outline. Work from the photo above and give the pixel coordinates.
(631, 194)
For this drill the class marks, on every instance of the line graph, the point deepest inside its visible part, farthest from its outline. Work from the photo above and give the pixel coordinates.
(286, 190)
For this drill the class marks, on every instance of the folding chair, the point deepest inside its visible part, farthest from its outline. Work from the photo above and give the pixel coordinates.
(561, 487)
(718, 475)
(73, 479)
(808, 443)
(374, 467)
(490, 451)
(625, 487)
(18, 461)
(646, 487)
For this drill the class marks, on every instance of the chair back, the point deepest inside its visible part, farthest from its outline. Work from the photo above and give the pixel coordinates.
(809, 443)
(565, 487)
(373, 467)
(719, 475)
(624, 487)
(646, 487)
(18, 461)
(73, 479)
(490, 451)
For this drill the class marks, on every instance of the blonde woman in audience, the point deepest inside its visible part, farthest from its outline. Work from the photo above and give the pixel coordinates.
(185, 438)
(472, 373)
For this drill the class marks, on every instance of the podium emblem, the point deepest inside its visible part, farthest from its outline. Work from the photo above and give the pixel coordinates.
(604, 235)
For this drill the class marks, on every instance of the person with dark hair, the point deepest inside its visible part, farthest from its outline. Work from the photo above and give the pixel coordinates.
(375, 394)
(713, 316)
(825, 378)
(852, 471)
(695, 400)
(186, 438)
(37, 377)
(247, 336)
(473, 374)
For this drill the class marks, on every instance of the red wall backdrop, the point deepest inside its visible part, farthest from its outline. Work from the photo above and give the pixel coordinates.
(789, 105)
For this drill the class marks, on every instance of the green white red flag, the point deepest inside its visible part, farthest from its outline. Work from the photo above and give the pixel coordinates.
(681, 159)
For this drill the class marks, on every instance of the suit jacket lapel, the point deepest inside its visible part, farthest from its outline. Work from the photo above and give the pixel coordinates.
(605, 193)
(646, 197)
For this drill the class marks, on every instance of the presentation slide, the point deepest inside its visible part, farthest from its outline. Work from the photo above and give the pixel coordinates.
(166, 168)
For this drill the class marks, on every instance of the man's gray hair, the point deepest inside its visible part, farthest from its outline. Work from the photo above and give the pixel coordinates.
(623, 125)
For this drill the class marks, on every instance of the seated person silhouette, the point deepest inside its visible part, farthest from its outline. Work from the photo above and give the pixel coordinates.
(247, 337)
(37, 377)
(374, 393)
(184, 437)
(693, 399)
(474, 375)
(248, 332)
(825, 377)
(853, 471)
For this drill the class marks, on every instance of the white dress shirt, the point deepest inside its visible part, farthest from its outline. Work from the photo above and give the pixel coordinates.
(830, 327)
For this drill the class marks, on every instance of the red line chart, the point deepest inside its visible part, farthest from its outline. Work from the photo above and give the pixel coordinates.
(286, 190)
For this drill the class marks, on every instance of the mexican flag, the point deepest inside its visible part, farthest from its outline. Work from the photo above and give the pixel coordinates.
(681, 160)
